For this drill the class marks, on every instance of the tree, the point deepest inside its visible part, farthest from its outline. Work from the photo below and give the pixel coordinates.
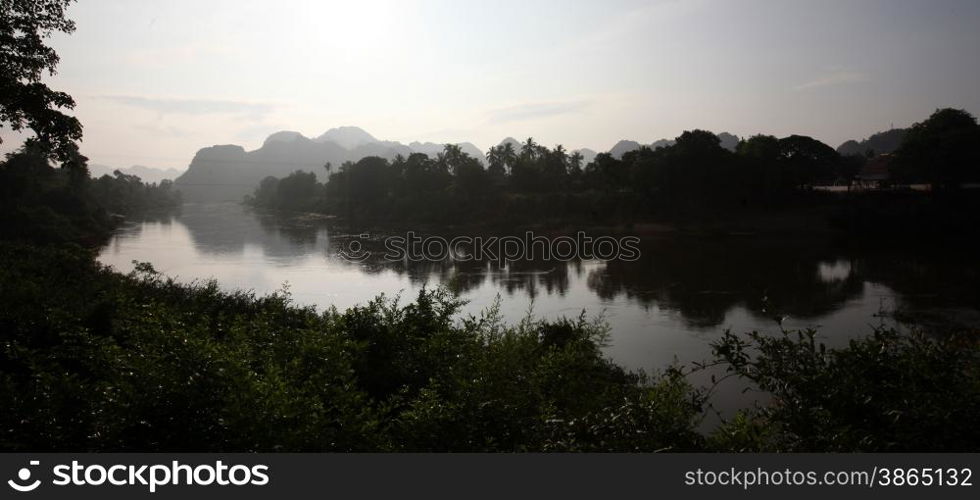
(454, 157)
(943, 150)
(697, 165)
(369, 180)
(575, 163)
(495, 160)
(469, 174)
(808, 160)
(529, 149)
(606, 173)
(423, 176)
(555, 167)
(26, 102)
(761, 157)
(508, 155)
(297, 190)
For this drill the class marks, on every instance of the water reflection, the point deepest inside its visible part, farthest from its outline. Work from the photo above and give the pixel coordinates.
(705, 278)
(670, 303)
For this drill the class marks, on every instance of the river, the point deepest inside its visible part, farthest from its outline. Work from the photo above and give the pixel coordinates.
(664, 307)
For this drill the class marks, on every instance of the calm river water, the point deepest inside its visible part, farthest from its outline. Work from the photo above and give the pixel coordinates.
(682, 293)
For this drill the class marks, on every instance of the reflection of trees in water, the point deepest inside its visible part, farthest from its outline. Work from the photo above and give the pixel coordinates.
(297, 231)
(704, 278)
(527, 277)
(926, 276)
(227, 228)
(701, 278)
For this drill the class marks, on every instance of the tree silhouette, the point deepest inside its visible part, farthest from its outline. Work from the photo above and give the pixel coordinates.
(529, 150)
(808, 160)
(691, 174)
(509, 155)
(26, 102)
(495, 162)
(575, 163)
(943, 150)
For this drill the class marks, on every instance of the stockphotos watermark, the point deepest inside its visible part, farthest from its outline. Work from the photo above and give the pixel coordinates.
(151, 477)
(413, 247)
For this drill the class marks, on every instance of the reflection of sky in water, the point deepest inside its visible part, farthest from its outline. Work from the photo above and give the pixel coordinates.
(834, 271)
(669, 307)
(239, 252)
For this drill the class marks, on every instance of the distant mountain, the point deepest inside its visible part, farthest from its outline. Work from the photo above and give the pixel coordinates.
(428, 148)
(880, 143)
(220, 173)
(284, 136)
(347, 137)
(513, 142)
(146, 174)
(587, 155)
(384, 149)
(623, 147)
(728, 141)
(432, 149)
(471, 149)
(229, 172)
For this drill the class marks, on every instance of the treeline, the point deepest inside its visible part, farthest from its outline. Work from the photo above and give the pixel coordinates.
(44, 204)
(92, 360)
(128, 195)
(696, 171)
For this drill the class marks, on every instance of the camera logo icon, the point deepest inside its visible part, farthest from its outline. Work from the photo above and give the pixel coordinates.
(24, 474)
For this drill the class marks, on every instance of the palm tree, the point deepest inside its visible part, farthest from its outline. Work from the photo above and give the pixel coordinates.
(493, 155)
(449, 156)
(530, 148)
(453, 152)
(495, 159)
(508, 155)
(561, 153)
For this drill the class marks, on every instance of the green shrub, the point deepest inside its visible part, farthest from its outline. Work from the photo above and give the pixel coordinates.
(886, 392)
(94, 360)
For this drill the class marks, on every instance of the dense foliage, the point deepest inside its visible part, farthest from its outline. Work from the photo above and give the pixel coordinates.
(26, 102)
(943, 150)
(886, 392)
(91, 360)
(94, 360)
(694, 173)
(40, 203)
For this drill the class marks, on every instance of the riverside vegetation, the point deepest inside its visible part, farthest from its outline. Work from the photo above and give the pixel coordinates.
(766, 183)
(93, 360)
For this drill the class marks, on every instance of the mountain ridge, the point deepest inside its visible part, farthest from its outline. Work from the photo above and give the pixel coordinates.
(229, 172)
(146, 174)
(883, 142)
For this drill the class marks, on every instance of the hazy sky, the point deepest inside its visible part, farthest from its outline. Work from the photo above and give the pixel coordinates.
(156, 80)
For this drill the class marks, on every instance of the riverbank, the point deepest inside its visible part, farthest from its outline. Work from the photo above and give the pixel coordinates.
(97, 361)
(897, 216)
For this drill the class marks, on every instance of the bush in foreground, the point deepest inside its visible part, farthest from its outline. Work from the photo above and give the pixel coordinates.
(885, 392)
(92, 360)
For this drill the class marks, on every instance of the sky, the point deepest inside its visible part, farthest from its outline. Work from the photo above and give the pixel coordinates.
(156, 81)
